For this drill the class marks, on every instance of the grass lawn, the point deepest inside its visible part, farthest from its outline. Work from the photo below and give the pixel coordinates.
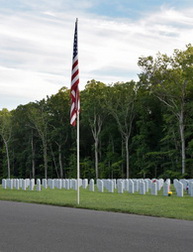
(170, 207)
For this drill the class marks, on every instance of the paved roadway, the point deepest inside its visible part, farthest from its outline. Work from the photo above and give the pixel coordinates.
(39, 228)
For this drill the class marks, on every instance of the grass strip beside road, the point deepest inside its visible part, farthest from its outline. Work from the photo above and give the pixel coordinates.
(160, 206)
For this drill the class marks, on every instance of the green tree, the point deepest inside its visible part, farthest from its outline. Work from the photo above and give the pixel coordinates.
(6, 133)
(147, 134)
(93, 113)
(120, 103)
(58, 109)
(170, 78)
(24, 143)
(37, 113)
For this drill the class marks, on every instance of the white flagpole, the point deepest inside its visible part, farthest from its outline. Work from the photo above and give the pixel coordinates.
(75, 106)
(78, 160)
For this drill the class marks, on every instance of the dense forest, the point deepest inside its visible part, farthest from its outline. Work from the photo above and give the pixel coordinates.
(132, 129)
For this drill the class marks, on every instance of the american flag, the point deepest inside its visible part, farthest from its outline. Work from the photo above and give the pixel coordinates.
(75, 96)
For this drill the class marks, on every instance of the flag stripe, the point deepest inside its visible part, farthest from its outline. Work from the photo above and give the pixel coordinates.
(75, 77)
(75, 97)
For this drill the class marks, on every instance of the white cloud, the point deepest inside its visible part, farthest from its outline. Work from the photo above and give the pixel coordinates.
(22, 86)
(36, 47)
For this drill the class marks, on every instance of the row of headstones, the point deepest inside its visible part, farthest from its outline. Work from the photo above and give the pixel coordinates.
(129, 185)
(145, 185)
(122, 185)
(183, 185)
(18, 184)
(30, 184)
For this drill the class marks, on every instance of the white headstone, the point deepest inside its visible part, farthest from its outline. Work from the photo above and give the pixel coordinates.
(149, 184)
(142, 187)
(67, 184)
(175, 182)
(108, 185)
(184, 182)
(24, 184)
(80, 182)
(111, 186)
(63, 183)
(59, 183)
(104, 183)
(101, 186)
(17, 184)
(115, 183)
(136, 185)
(146, 185)
(10, 183)
(180, 189)
(20, 183)
(97, 183)
(14, 183)
(91, 185)
(38, 187)
(32, 183)
(52, 184)
(74, 184)
(131, 186)
(126, 185)
(70, 183)
(49, 182)
(166, 188)
(55, 183)
(191, 189)
(27, 182)
(45, 183)
(158, 185)
(120, 187)
(4, 184)
(154, 188)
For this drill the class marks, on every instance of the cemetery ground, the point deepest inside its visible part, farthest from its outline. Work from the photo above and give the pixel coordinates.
(150, 205)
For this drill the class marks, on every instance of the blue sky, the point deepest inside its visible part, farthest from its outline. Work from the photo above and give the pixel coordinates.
(36, 41)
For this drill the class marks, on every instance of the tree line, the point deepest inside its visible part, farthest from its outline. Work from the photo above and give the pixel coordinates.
(127, 129)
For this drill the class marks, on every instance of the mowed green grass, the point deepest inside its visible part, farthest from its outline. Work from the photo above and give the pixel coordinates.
(162, 206)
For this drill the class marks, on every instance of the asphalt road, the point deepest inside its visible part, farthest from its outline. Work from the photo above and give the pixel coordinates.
(31, 227)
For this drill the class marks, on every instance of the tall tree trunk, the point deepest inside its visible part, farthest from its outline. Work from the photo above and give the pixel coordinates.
(181, 127)
(122, 155)
(54, 160)
(60, 160)
(8, 160)
(45, 158)
(33, 157)
(127, 155)
(96, 157)
(96, 129)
